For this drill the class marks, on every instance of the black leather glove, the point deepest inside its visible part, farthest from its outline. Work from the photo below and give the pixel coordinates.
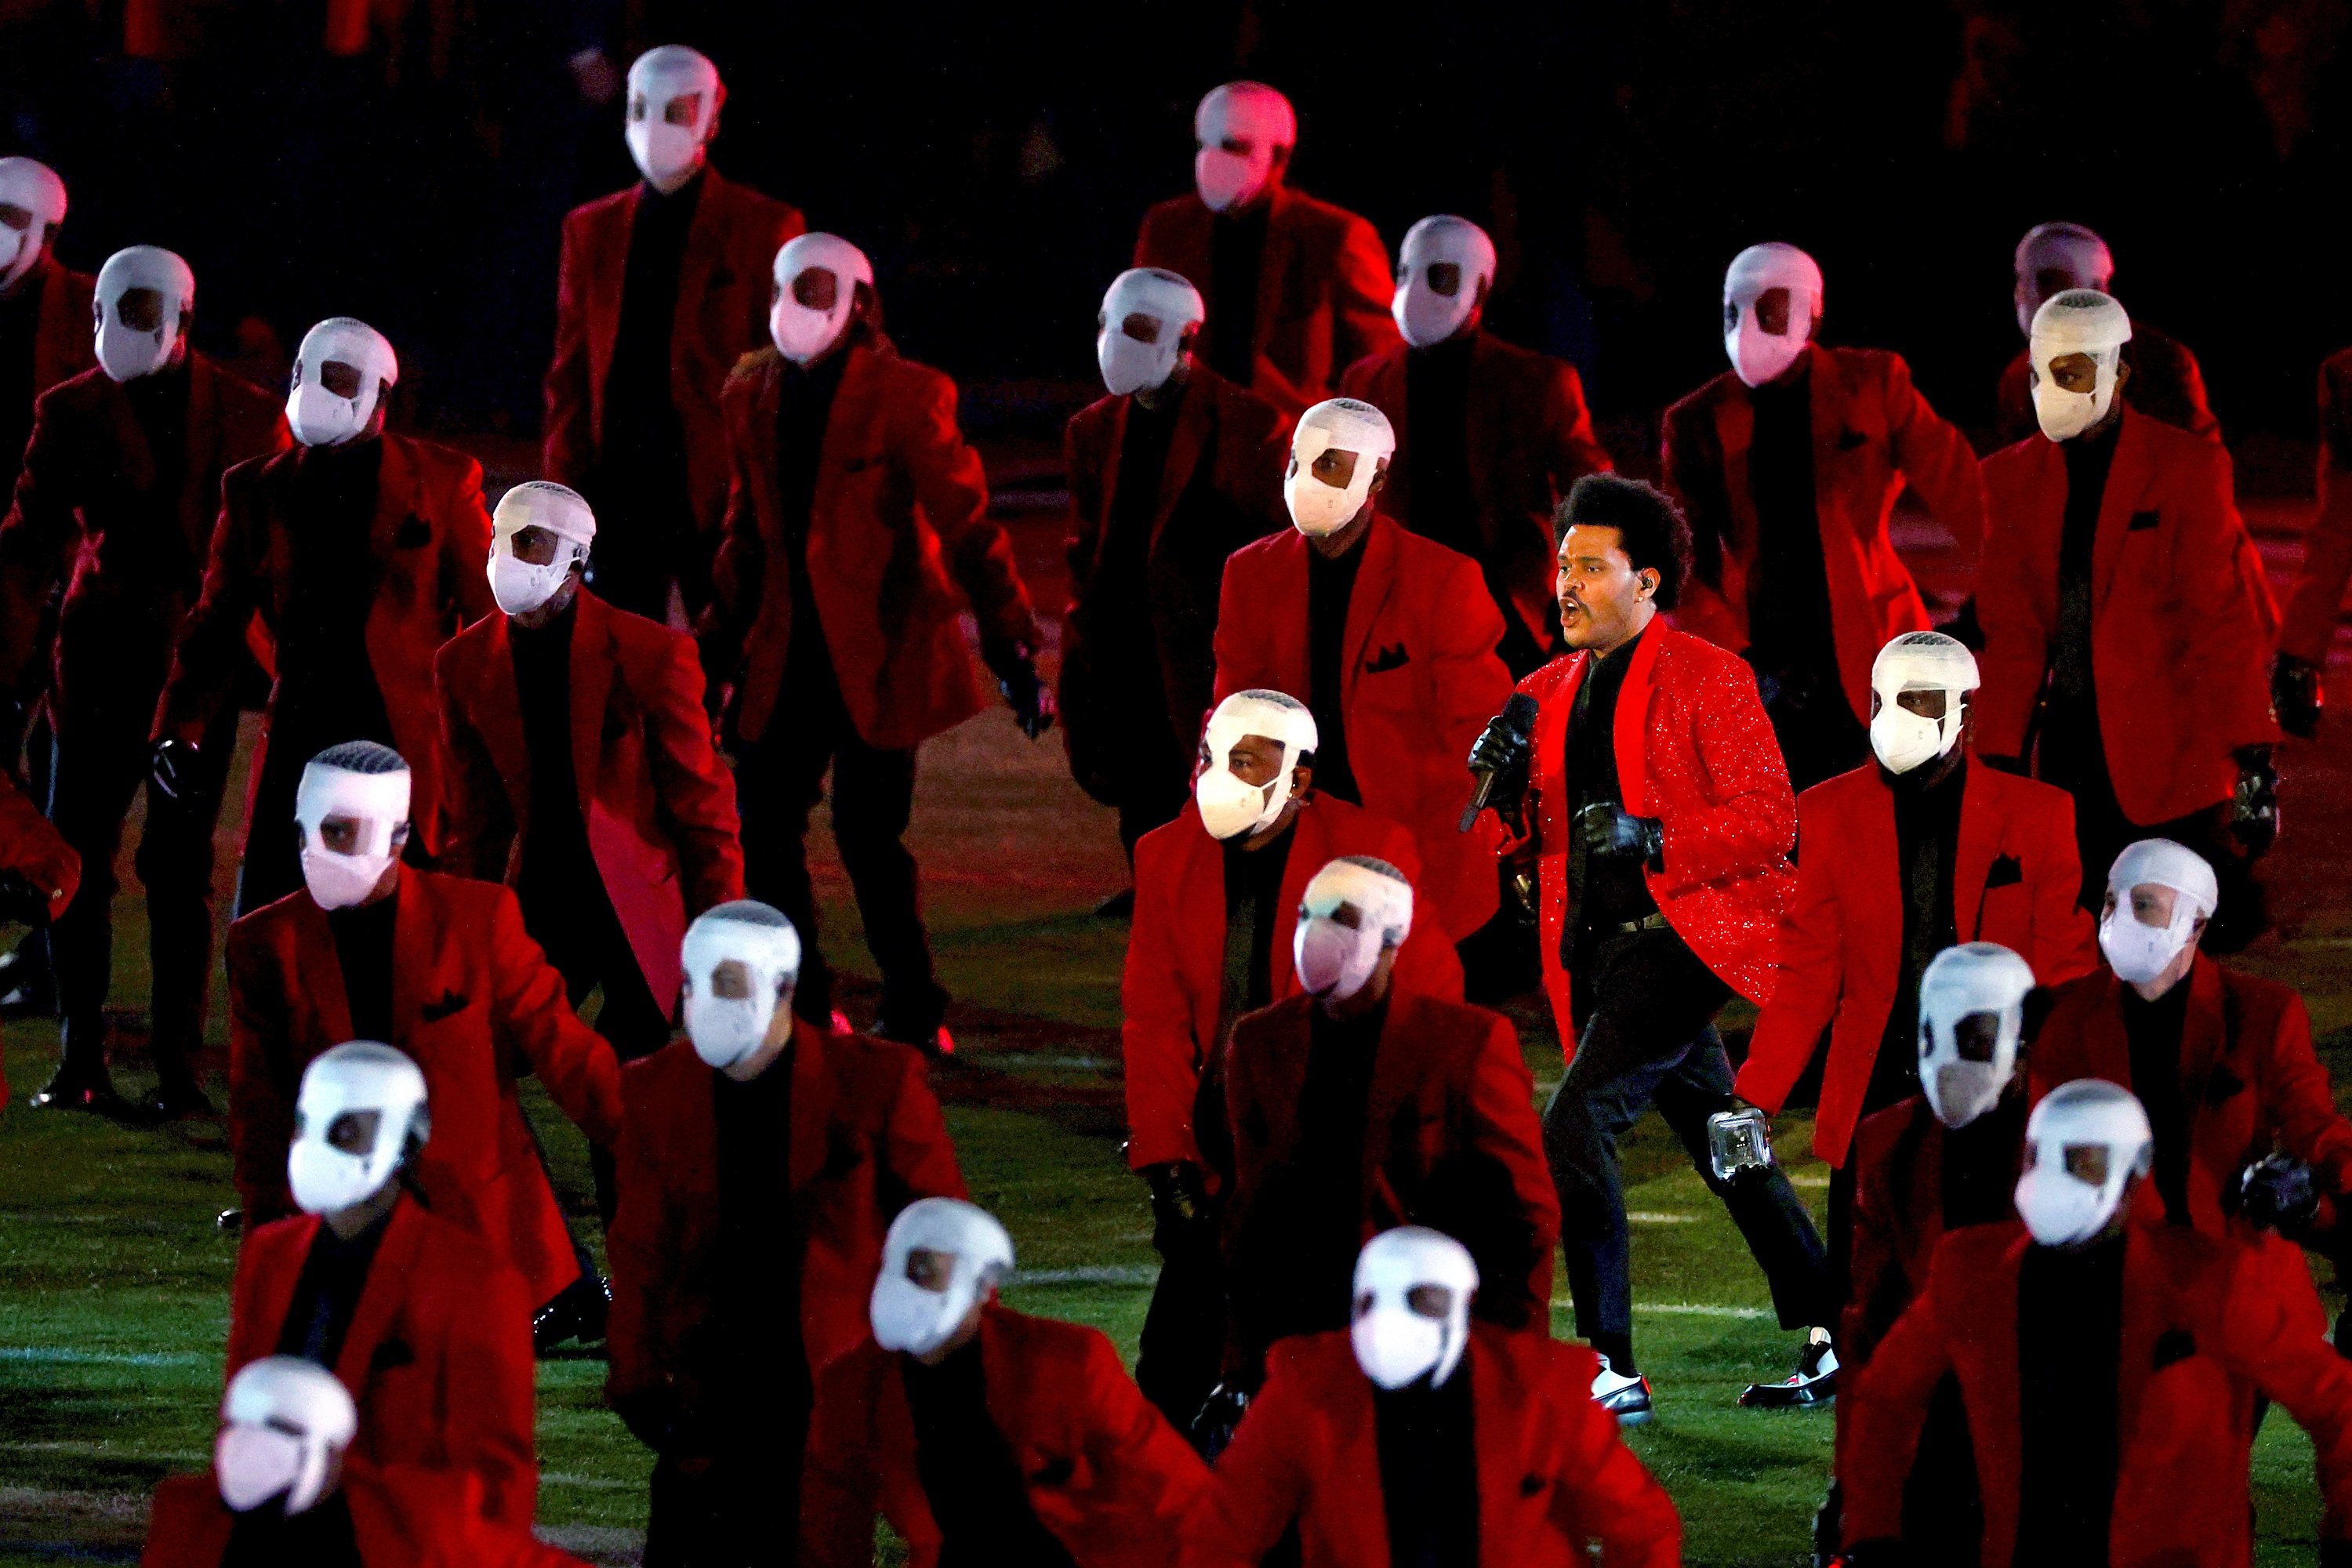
(173, 764)
(2278, 1192)
(1030, 700)
(2254, 805)
(21, 900)
(2296, 696)
(1507, 754)
(1179, 1196)
(1221, 1413)
(1608, 830)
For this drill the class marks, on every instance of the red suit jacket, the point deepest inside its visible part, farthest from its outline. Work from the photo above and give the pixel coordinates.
(866, 1139)
(1449, 1089)
(2166, 384)
(438, 1355)
(1553, 1475)
(898, 541)
(724, 285)
(85, 509)
(2014, 881)
(1420, 680)
(474, 1003)
(2181, 616)
(1173, 982)
(1873, 434)
(2327, 547)
(63, 346)
(1323, 291)
(1223, 470)
(2195, 1329)
(1107, 1475)
(658, 803)
(28, 843)
(1898, 1216)
(2247, 1072)
(426, 546)
(403, 1516)
(1693, 749)
(1530, 437)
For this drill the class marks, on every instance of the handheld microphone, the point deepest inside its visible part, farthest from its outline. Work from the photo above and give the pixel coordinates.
(1518, 717)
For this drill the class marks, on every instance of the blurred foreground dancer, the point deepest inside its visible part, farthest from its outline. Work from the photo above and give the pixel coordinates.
(858, 528)
(428, 1326)
(120, 487)
(1416, 1435)
(662, 287)
(763, 1161)
(981, 1434)
(38, 871)
(1653, 801)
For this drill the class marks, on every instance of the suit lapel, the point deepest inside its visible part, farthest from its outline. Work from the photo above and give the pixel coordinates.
(395, 502)
(1979, 846)
(414, 927)
(2128, 476)
(1825, 400)
(1486, 415)
(1375, 579)
(496, 711)
(396, 1255)
(319, 970)
(1195, 412)
(135, 462)
(1734, 435)
(1273, 266)
(705, 237)
(1311, 847)
(2204, 1032)
(812, 1095)
(1396, 1073)
(1878, 898)
(1630, 730)
(199, 498)
(590, 685)
(844, 441)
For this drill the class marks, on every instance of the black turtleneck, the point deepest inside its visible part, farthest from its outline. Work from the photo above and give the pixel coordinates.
(1429, 1471)
(1926, 841)
(1330, 586)
(1978, 1170)
(363, 952)
(2153, 1030)
(2069, 1358)
(321, 1536)
(1236, 252)
(327, 1292)
(326, 681)
(2088, 458)
(977, 1491)
(20, 332)
(557, 862)
(1789, 595)
(1253, 904)
(1437, 416)
(638, 382)
(762, 1238)
(1327, 1169)
(804, 411)
(1611, 890)
(159, 402)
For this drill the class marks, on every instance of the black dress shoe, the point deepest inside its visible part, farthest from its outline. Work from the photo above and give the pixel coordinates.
(1814, 1383)
(79, 1088)
(177, 1102)
(1119, 906)
(578, 1312)
(229, 1222)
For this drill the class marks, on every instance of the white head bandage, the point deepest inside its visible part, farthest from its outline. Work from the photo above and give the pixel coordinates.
(1760, 354)
(1414, 1287)
(355, 1080)
(2084, 1145)
(367, 785)
(2072, 257)
(673, 105)
(1439, 265)
(1158, 303)
(32, 189)
(2136, 951)
(1255, 120)
(1337, 425)
(1971, 1017)
(1353, 909)
(283, 1422)
(321, 415)
(1919, 661)
(521, 586)
(801, 332)
(725, 1029)
(918, 1316)
(127, 352)
(1229, 804)
(2079, 321)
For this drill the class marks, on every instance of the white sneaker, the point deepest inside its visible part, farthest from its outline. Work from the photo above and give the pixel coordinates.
(1626, 1398)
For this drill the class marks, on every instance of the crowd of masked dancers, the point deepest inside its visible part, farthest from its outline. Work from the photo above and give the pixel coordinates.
(1400, 695)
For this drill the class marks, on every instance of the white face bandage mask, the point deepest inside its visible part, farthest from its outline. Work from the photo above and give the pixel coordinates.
(1231, 806)
(1461, 254)
(2054, 251)
(1919, 662)
(1317, 507)
(726, 1029)
(321, 415)
(283, 1423)
(1411, 1316)
(2085, 1144)
(1758, 355)
(352, 1079)
(1250, 114)
(34, 189)
(2138, 951)
(1971, 1017)
(521, 586)
(967, 1256)
(801, 332)
(1153, 301)
(166, 287)
(2079, 321)
(378, 803)
(667, 151)
(1353, 911)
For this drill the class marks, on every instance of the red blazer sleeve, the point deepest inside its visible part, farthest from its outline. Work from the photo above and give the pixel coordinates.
(640, 1249)
(919, 1153)
(1750, 818)
(2066, 938)
(576, 1064)
(1504, 1125)
(477, 825)
(2228, 662)
(1874, 1255)
(30, 845)
(954, 489)
(1936, 460)
(568, 446)
(1600, 1491)
(1240, 664)
(1472, 681)
(491, 1415)
(34, 539)
(1427, 964)
(1154, 1474)
(1259, 1483)
(696, 790)
(1890, 1404)
(260, 1094)
(2298, 1101)
(1159, 1037)
(841, 1474)
(2262, 1341)
(1813, 978)
(738, 566)
(1361, 288)
(2327, 547)
(465, 549)
(1575, 451)
(212, 647)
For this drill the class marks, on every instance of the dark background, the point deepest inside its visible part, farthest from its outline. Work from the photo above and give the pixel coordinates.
(994, 161)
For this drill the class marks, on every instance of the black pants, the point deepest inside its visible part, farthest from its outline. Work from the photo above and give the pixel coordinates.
(645, 534)
(1183, 1347)
(98, 761)
(1644, 1006)
(779, 779)
(1820, 736)
(740, 1511)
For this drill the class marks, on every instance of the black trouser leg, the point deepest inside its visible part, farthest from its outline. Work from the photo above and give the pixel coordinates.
(742, 1512)
(175, 867)
(585, 943)
(1943, 1511)
(779, 779)
(100, 758)
(872, 801)
(1820, 736)
(1840, 1259)
(1184, 1341)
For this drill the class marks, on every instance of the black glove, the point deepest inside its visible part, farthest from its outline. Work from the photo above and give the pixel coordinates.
(21, 900)
(1221, 1413)
(2278, 1192)
(1612, 830)
(2296, 696)
(2255, 805)
(1506, 753)
(173, 764)
(1179, 1196)
(1030, 700)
